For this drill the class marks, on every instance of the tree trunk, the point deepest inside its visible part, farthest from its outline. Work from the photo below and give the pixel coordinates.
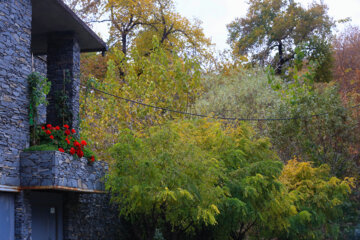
(279, 68)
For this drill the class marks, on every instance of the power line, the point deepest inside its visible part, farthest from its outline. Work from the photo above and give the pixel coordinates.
(207, 116)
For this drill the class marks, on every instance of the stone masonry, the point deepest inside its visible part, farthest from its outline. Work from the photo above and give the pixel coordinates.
(15, 66)
(54, 168)
(63, 69)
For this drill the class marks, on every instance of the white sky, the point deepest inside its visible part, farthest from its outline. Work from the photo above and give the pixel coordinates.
(216, 14)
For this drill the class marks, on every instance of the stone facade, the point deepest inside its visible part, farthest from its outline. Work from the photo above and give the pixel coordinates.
(90, 217)
(15, 66)
(63, 69)
(57, 169)
(22, 216)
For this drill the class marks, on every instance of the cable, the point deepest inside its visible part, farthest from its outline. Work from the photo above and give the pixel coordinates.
(206, 116)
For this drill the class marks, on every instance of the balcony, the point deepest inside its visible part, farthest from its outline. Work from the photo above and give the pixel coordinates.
(54, 170)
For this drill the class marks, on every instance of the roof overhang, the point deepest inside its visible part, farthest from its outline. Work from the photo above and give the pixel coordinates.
(50, 16)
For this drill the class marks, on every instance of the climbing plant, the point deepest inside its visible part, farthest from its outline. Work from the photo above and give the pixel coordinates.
(39, 87)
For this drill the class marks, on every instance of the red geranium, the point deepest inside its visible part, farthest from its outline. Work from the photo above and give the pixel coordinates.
(48, 132)
(73, 131)
(52, 137)
(66, 126)
(77, 144)
(61, 150)
(43, 127)
(80, 153)
(83, 142)
(57, 128)
(92, 159)
(67, 132)
(72, 151)
(48, 126)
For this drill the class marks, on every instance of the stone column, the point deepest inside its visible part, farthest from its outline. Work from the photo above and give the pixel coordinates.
(23, 216)
(63, 70)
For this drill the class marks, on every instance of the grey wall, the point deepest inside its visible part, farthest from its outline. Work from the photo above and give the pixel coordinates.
(91, 217)
(15, 66)
(53, 168)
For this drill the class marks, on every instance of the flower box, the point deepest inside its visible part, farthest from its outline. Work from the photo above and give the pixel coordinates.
(60, 171)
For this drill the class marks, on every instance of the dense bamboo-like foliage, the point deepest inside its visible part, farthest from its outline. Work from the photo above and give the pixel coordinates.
(203, 180)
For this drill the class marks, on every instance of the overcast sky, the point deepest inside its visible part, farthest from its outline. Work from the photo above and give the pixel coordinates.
(216, 14)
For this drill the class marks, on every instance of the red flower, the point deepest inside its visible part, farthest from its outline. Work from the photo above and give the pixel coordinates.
(67, 132)
(48, 132)
(83, 142)
(92, 159)
(52, 137)
(43, 127)
(73, 131)
(48, 126)
(80, 154)
(72, 151)
(57, 128)
(66, 126)
(68, 141)
(61, 150)
(77, 144)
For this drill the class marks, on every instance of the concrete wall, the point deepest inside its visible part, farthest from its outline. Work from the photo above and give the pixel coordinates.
(15, 66)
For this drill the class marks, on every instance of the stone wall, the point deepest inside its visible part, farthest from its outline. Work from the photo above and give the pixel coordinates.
(91, 217)
(15, 66)
(54, 168)
(63, 70)
(23, 216)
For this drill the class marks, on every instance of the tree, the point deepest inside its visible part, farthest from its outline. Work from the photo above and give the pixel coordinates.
(347, 63)
(277, 26)
(173, 31)
(162, 79)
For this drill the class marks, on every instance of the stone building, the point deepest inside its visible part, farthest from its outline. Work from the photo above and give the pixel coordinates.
(45, 195)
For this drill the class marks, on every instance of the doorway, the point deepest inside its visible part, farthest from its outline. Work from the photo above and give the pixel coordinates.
(46, 208)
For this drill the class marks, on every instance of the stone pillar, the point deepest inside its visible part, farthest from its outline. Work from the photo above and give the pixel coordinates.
(23, 216)
(63, 70)
(15, 66)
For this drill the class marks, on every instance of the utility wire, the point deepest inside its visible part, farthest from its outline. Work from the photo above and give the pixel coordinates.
(207, 116)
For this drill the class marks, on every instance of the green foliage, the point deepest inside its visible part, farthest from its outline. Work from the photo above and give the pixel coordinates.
(42, 147)
(191, 179)
(326, 138)
(242, 93)
(39, 87)
(257, 200)
(318, 198)
(168, 177)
